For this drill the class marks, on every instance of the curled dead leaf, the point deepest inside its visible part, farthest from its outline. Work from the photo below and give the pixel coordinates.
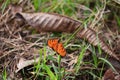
(46, 22)
(91, 36)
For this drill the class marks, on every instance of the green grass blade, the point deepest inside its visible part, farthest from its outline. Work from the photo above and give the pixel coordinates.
(106, 61)
(37, 4)
(80, 58)
(50, 73)
(4, 75)
(4, 5)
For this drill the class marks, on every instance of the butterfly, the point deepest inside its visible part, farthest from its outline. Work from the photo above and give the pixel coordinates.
(56, 46)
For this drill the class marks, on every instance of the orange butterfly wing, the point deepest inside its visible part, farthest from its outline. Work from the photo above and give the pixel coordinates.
(58, 47)
(52, 42)
(55, 47)
(60, 50)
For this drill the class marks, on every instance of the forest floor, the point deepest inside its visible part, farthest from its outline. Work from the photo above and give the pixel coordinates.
(25, 53)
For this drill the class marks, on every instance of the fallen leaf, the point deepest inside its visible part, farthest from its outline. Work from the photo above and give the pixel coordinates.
(92, 37)
(24, 63)
(46, 22)
(109, 75)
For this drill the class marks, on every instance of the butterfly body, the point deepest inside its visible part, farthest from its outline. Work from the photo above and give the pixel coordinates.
(56, 46)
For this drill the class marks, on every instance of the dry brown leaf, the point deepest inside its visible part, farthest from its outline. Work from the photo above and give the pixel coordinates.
(46, 22)
(91, 36)
(109, 75)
